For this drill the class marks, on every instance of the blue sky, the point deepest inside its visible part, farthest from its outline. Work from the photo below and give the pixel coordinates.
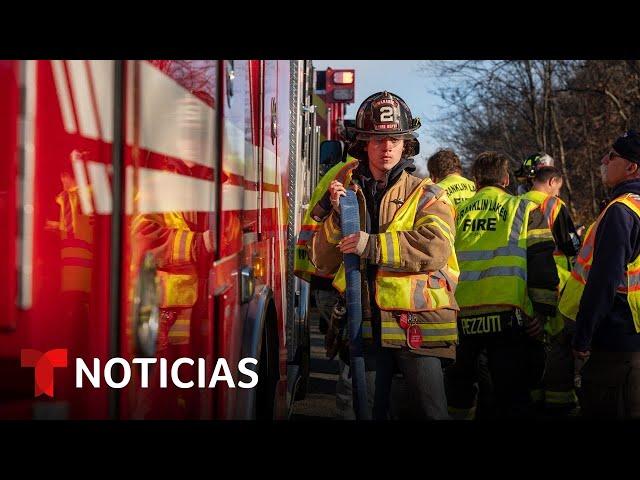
(403, 78)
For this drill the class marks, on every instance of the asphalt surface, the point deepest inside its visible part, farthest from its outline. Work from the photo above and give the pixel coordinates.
(320, 401)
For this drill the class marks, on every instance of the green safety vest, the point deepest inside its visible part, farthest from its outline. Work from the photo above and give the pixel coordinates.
(630, 285)
(550, 206)
(491, 245)
(303, 267)
(458, 188)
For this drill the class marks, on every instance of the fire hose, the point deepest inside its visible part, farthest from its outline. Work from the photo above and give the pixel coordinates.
(350, 223)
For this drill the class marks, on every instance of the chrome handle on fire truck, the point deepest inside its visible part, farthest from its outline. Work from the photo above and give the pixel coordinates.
(274, 120)
(230, 76)
(146, 308)
(27, 184)
(247, 284)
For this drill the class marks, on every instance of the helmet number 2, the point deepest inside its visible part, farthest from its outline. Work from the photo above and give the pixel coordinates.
(386, 114)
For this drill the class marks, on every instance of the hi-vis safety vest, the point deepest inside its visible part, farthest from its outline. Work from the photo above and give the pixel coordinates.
(550, 206)
(303, 267)
(458, 188)
(630, 285)
(491, 245)
(402, 291)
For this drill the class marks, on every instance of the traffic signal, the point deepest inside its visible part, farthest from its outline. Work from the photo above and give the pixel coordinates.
(340, 86)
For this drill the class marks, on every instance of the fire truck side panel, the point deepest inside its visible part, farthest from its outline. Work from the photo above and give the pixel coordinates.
(15, 396)
(65, 225)
(207, 151)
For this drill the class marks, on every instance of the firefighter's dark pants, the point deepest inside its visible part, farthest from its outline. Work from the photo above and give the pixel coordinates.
(424, 383)
(514, 362)
(558, 382)
(611, 385)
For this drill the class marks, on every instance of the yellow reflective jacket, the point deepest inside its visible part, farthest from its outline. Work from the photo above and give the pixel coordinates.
(417, 267)
(550, 206)
(493, 234)
(458, 188)
(630, 286)
(172, 242)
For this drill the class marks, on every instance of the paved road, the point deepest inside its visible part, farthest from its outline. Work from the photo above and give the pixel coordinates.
(320, 402)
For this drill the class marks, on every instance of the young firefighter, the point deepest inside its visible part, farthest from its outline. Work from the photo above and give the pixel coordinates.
(409, 269)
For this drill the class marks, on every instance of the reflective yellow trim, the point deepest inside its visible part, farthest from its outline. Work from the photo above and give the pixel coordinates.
(435, 326)
(383, 248)
(333, 234)
(425, 338)
(461, 413)
(561, 398)
(438, 223)
(539, 235)
(187, 248)
(176, 245)
(542, 295)
(396, 249)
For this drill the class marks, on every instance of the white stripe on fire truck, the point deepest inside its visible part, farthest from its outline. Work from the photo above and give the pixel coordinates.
(234, 148)
(64, 97)
(82, 96)
(100, 187)
(129, 94)
(160, 191)
(181, 125)
(268, 199)
(128, 188)
(251, 162)
(102, 76)
(83, 187)
(269, 163)
(250, 200)
(233, 197)
(27, 140)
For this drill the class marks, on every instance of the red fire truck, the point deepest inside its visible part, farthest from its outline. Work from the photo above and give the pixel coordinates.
(150, 209)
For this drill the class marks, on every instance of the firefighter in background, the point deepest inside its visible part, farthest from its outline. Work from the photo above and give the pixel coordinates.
(408, 261)
(603, 293)
(445, 170)
(557, 392)
(507, 286)
(182, 246)
(524, 174)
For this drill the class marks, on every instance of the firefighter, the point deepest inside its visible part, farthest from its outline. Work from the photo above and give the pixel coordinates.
(182, 248)
(603, 293)
(408, 260)
(507, 286)
(446, 171)
(524, 175)
(545, 180)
